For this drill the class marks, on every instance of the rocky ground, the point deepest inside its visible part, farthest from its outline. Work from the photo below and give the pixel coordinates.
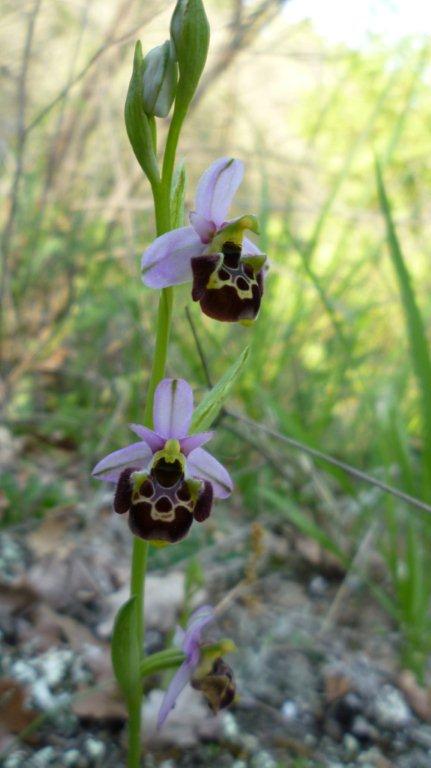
(316, 668)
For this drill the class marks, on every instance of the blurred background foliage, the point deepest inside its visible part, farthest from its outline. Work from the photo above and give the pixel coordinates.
(332, 363)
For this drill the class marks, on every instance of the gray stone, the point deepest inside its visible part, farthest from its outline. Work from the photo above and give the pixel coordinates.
(289, 710)
(318, 586)
(72, 758)
(43, 757)
(230, 726)
(263, 760)
(95, 748)
(351, 744)
(15, 760)
(390, 708)
(363, 729)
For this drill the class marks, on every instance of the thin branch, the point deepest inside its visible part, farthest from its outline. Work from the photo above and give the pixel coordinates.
(19, 162)
(347, 468)
(109, 43)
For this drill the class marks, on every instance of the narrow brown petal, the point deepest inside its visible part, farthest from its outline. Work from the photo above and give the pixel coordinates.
(204, 502)
(123, 491)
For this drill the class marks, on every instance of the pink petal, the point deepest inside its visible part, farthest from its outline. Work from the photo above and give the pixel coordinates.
(217, 188)
(197, 621)
(202, 465)
(249, 248)
(189, 444)
(167, 260)
(173, 408)
(176, 686)
(151, 438)
(205, 229)
(110, 468)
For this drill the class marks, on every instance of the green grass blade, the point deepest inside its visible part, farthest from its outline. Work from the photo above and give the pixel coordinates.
(418, 343)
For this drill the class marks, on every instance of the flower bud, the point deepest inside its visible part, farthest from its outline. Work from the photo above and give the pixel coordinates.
(160, 80)
(190, 34)
(137, 123)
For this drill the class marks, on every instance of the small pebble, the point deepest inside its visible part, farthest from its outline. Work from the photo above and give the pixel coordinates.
(250, 742)
(350, 743)
(54, 665)
(41, 695)
(289, 710)
(318, 586)
(15, 760)
(363, 730)
(43, 757)
(230, 726)
(391, 710)
(263, 760)
(71, 758)
(95, 748)
(23, 672)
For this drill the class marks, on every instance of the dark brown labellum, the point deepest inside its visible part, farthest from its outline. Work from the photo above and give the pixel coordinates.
(227, 288)
(218, 685)
(162, 504)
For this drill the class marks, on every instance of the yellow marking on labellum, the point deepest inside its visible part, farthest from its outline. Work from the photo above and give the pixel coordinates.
(215, 283)
(170, 453)
(165, 517)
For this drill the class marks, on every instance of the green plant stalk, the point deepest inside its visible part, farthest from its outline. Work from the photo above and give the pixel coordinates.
(162, 207)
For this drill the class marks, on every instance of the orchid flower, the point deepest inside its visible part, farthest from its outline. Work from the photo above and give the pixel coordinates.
(217, 684)
(226, 268)
(167, 479)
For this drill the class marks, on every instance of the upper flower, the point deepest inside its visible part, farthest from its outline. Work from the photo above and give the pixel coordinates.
(216, 683)
(166, 479)
(226, 267)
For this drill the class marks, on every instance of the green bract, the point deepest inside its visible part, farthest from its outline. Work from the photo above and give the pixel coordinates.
(160, 77)
(190, 34)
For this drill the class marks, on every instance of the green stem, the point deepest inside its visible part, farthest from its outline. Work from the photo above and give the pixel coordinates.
(162, 205)
(170, 151)
(134, 732)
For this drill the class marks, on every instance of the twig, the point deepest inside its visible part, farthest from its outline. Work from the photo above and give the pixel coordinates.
(100, 51)
(347, 468)
(19, 163)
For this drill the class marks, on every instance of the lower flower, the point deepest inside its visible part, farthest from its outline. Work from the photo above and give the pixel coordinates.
(211, 676)
(166, 480)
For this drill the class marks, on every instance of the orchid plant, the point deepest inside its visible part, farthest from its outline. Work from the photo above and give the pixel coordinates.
(166, 480)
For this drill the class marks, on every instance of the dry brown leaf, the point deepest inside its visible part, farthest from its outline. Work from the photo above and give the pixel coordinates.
(311, 551)
(103, 704)
(53, 628)
(51, 536)
(14, 598)
(63, 581)
(418, 698)
(337, 685)
(14, 714)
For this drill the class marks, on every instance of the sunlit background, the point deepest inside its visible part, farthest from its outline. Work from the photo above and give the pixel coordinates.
(327, 577)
